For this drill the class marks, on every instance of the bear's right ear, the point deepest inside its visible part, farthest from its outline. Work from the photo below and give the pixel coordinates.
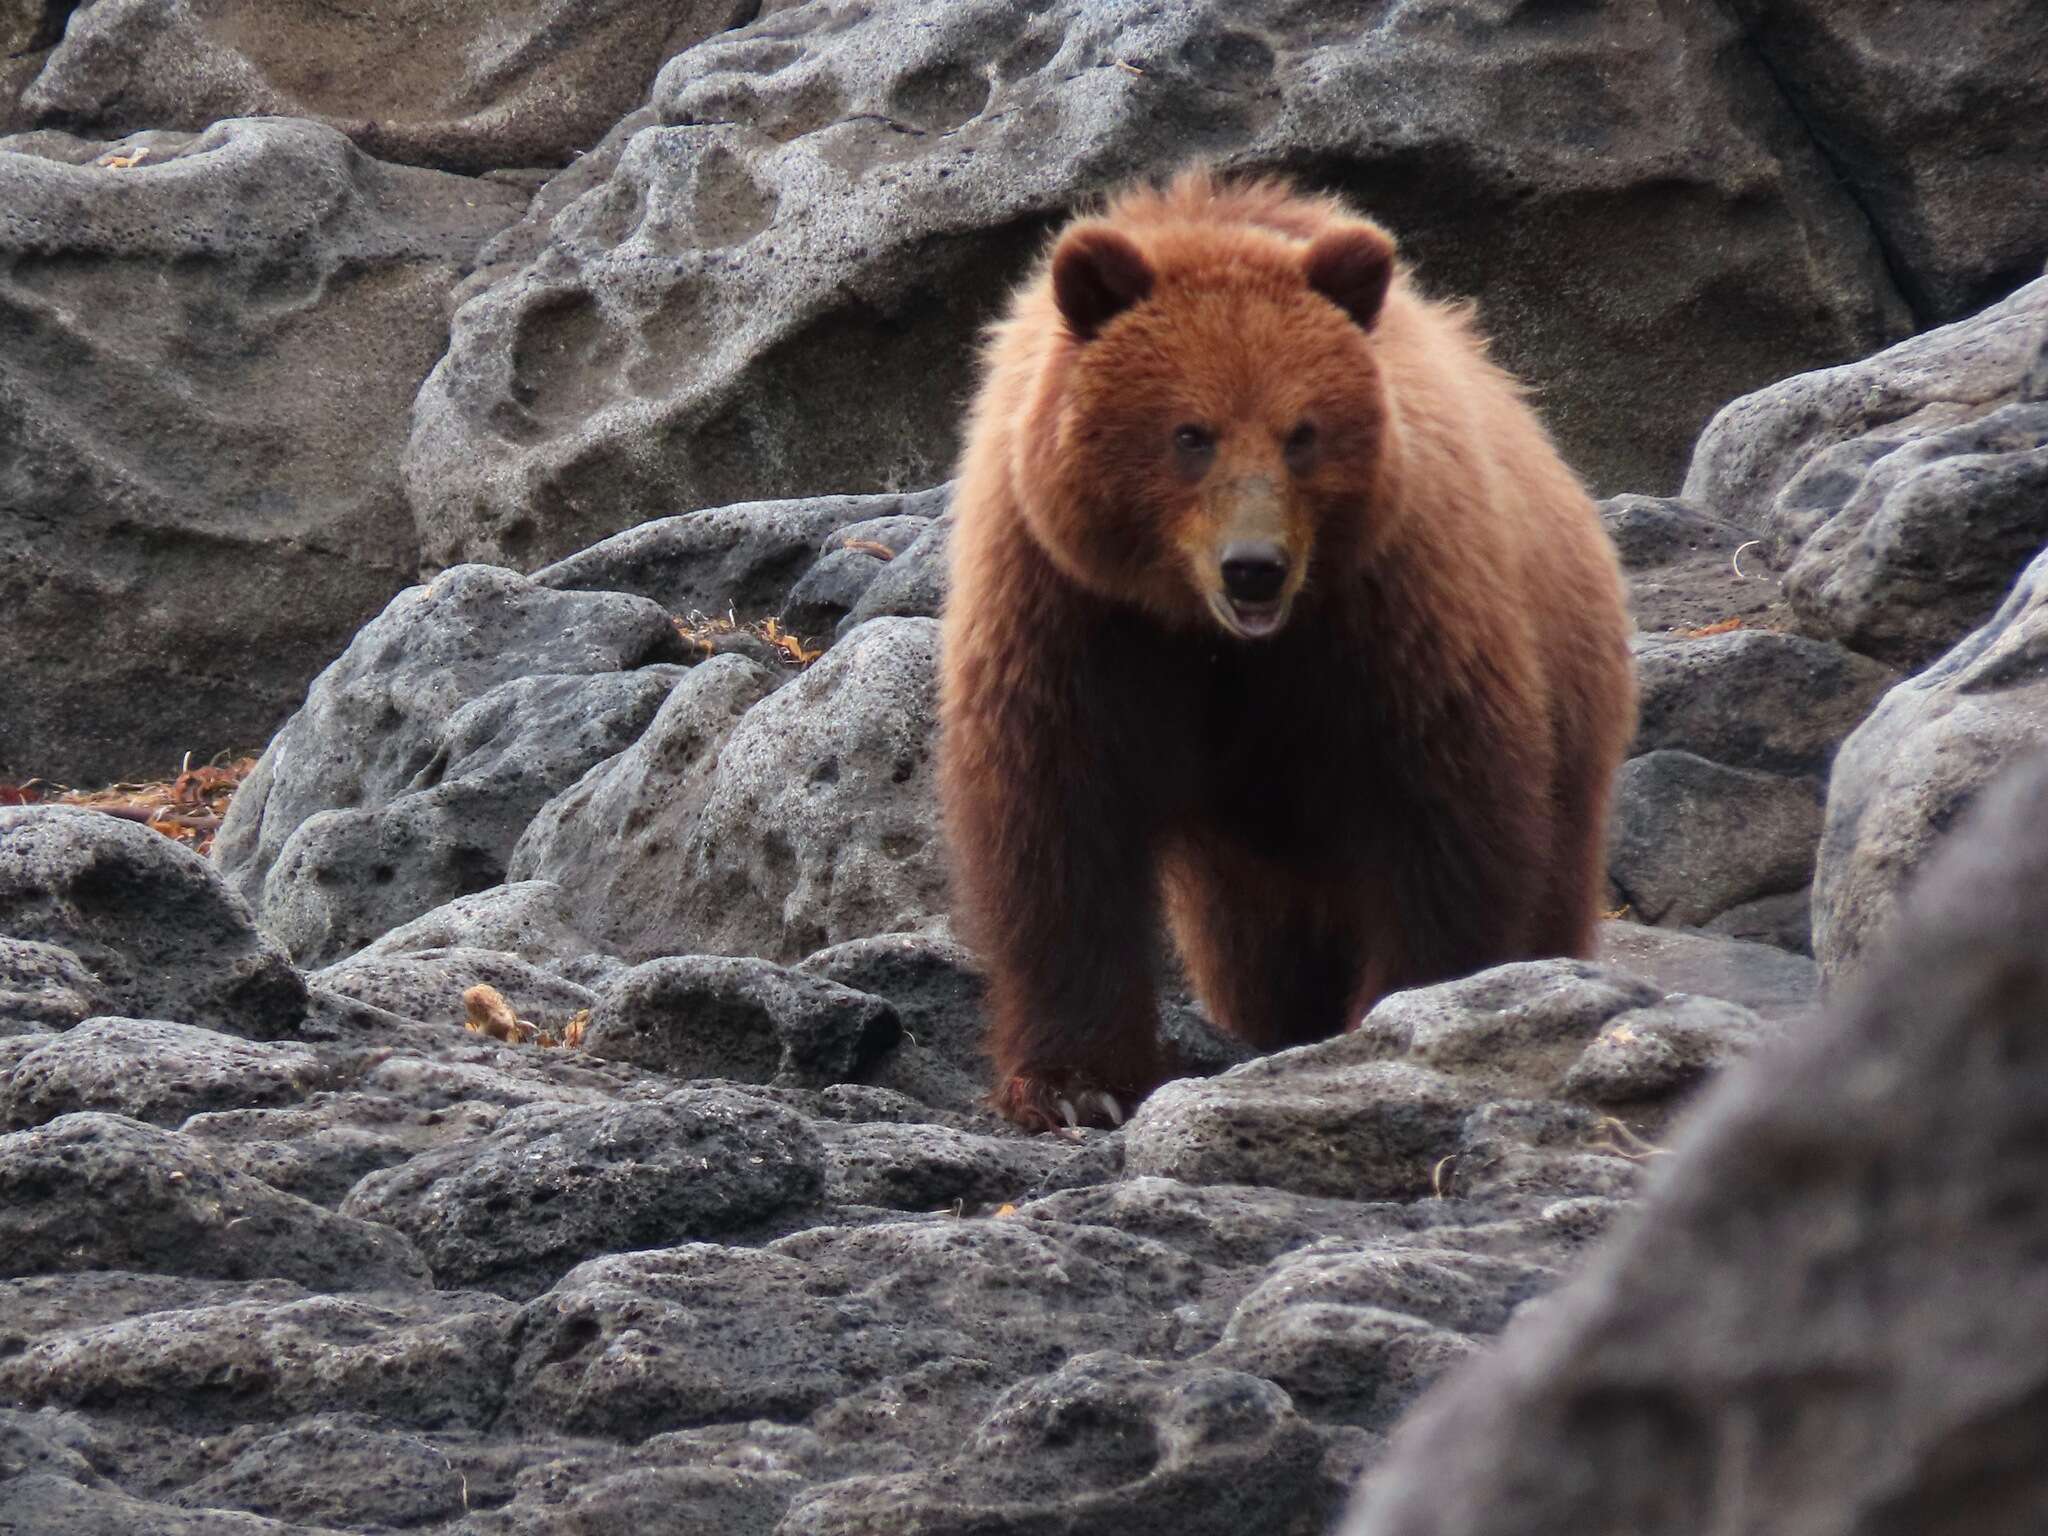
(1097, 274)
(1351, 266)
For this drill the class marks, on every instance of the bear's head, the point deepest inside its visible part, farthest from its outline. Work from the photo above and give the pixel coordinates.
(1210, 423)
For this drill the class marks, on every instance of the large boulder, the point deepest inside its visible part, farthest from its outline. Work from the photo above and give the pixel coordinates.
(149, 927)
(770, 281)
(1828, 1316)
(1692, 838)
(424, 750)
(1899, 495)
(1933, 118)
(1913, 767)
(209, 362)
(749, 822)
(464, 86)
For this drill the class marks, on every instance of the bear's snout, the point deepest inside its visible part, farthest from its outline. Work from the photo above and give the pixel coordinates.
(1254, 571)
(1255, 595)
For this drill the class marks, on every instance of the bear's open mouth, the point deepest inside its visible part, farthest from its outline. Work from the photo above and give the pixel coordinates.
(1249, 621)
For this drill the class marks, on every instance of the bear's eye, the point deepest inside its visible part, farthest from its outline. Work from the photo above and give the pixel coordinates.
(1192, 438)
(1301, 444)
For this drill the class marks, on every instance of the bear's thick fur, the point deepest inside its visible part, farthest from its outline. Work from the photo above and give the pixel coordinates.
(1272, 608)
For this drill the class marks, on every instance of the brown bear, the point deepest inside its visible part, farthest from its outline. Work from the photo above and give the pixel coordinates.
(1272, 607)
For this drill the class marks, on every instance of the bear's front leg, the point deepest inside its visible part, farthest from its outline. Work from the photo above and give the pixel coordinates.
(1053, 848)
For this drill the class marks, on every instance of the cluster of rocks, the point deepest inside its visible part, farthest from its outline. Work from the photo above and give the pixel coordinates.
(1876, 529)
(332, 300)
(284, 1248)
(754, 1254)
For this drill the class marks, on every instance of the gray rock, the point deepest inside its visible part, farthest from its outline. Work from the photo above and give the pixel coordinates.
(469, 1071)
(1687, 570)
(1847, 1241)
(934, 984)
(553, 1185)
(322, 1149)
(1912, 122)
(740, 559)
(1780, 988)
(210, 362)
(829, 590)
(1515, 1025)
(42, 1505)
(1653, 531)
(608, 842)
(38, 1443)
(44, 987)
(1666, 1048)
(421, 1358)
(810, 821)
(475, 85)
(930, 1315)
(150, 1070)
(900, 532)
(1929, 538)
(694, 1016)
(1691, 838)
(94, 1191)
(1436, 1081)
(913, 586)
(428, 985)
(528, 918)
(1107, 1442)
(422, 753)
(1232, 1226)
(1911, 769)
(1754, 698)
(775, 288)
(1784, 920)
(335, 1469)
(156, 929)
(1897, 494)
(933, 1167)
(936, 1315)
(730, 1478)
(1356, 1333)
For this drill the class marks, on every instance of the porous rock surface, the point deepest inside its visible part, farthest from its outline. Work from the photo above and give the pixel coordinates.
(1897, 1142)
(467, 86)
(209, 360)
(769, 280)
(421, 752)
(1900, 495)
(1915, 765)
(754, 1254)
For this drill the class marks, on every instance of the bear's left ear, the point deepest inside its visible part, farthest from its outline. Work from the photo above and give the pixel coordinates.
(1351, 266)
(1097, 274)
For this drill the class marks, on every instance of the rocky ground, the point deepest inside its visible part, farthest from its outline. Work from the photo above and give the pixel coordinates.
(284, 1247)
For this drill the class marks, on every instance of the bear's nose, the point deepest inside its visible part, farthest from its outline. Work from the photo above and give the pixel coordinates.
(1254, 572)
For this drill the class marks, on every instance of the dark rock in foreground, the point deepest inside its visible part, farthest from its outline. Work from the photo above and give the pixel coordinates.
(1846, 1246)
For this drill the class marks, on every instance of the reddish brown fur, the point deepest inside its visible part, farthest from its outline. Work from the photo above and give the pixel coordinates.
(1408, 782)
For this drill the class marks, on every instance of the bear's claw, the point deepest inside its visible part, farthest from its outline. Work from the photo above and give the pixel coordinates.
(1066, 1104)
